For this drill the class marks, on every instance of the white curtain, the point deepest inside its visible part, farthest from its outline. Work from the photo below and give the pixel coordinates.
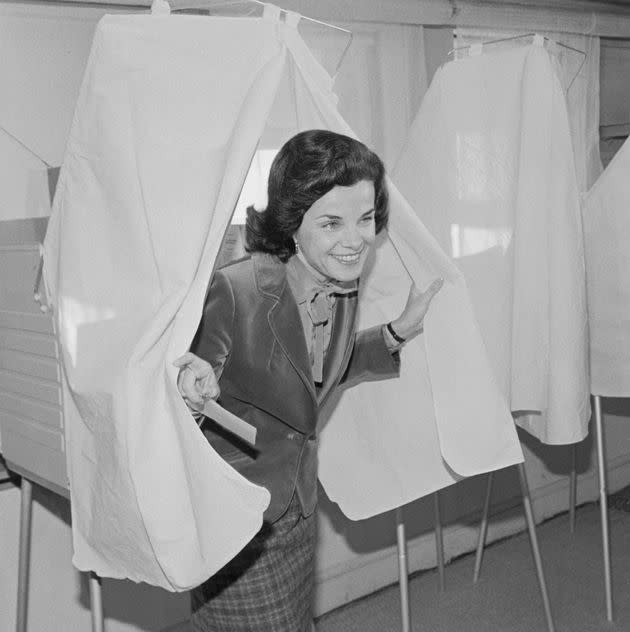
(489, 168)
(576, 60)
(607, 231)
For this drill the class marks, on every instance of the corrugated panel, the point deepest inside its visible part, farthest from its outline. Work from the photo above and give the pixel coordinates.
(27, 364)
(31, 432)
(34, 410)
(31, 387)
(39, 322)
(29, 342)
(31, 413)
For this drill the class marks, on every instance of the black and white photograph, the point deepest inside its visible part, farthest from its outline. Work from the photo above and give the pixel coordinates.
(314, 316)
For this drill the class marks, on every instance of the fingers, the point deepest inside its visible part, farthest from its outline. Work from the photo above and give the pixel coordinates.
(433, 289)
(196, 381)
(188, 386)
(209, 387)
(197, 365)
(187, 358)
(435, 286)
(423, 299)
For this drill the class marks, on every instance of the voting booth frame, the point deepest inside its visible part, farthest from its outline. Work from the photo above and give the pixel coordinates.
(603, 501)
(603, 510)
(481, 541)
(31, 406)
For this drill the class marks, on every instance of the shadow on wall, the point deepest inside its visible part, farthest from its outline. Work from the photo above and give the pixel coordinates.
(557, 458)
(460, 505)
(618, 406)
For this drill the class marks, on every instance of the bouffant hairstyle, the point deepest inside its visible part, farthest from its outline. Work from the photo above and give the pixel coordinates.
(307, 167)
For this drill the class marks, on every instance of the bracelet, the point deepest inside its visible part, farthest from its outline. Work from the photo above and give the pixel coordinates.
(395, 336)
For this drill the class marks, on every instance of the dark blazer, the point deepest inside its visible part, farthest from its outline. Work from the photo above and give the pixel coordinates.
(252, 335)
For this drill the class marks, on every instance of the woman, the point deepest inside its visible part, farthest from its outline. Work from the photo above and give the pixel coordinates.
(276, 339)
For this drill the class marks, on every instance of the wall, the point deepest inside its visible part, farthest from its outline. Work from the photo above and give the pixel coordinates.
(43, 52)
(354, 558)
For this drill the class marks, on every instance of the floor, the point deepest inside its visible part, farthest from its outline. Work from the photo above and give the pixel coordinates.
(507, 597)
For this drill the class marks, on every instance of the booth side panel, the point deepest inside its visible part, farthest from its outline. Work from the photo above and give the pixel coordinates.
(31, 411)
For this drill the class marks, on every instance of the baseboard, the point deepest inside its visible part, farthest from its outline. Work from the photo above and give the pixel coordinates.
(340, 584)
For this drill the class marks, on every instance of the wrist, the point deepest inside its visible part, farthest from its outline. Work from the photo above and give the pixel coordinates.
(395, 333)
(406, 332)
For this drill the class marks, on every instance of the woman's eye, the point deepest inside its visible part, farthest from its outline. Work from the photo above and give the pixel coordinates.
(368, 219)
(330, 225)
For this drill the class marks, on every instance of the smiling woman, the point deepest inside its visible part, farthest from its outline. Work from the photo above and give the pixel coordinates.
(338, 231)
(277, 338)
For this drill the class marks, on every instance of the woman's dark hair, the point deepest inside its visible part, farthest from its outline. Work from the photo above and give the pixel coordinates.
(307, 167)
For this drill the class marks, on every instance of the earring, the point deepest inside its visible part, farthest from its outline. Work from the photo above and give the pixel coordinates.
(297, 246)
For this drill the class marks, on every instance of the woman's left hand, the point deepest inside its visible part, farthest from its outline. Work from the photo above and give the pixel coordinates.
(409, 323)
(196, 381)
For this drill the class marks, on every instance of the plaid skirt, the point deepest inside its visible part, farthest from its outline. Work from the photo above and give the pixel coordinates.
(268, 586)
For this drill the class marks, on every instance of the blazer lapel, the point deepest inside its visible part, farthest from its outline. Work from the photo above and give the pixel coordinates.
(284, 317)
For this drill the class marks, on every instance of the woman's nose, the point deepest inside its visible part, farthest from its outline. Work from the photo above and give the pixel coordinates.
(352, 238)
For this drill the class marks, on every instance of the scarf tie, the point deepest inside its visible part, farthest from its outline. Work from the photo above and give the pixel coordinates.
(319, 306)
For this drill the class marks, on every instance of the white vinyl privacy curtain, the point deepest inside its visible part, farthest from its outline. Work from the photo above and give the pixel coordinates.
(170, 113)
(606, 235)
(489, 167)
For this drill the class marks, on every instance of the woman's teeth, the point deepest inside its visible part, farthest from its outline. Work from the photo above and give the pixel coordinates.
(348, 259)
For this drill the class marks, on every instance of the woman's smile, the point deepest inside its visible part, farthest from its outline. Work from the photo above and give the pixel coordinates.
(348, 259)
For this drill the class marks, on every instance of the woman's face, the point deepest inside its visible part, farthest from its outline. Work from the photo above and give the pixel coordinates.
(338, 231)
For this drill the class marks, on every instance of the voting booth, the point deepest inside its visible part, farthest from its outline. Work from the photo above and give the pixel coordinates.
(31, 401)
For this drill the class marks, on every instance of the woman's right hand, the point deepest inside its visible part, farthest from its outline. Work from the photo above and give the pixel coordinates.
(196, 381)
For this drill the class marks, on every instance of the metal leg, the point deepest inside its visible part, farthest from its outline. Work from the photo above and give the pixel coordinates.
(603, 504)
(531, 527)
(573, 487)
(96, 603)
(403, 572)
(26, 512)
(439, 541)
(483, 528)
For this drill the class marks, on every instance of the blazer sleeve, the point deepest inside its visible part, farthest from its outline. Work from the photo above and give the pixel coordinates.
(371, 359)
(213, 340)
